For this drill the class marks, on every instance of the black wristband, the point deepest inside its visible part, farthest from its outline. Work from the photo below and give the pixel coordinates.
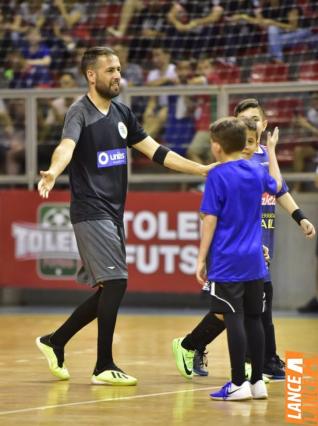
(298, 216)
(160, 154)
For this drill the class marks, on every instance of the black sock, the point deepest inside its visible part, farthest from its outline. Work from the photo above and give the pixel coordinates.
(83, 315)
(236, 339)
(204, 333)
(267, 320)
(109, 301)
(255, 336)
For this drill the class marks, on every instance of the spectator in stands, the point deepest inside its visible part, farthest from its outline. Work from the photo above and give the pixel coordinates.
(129, 9)
(32, 13)
(6, 132)
(307, 152)
(200, 147)
(240, 31)
(132, 75)
(54, 120)
(131, 72)
(71, 22)
(37, 59)
(179, 128)
(16, 71)
(151, 28)
(195, 28)
(285, 26)
(6, 41)
(75, 67)
(163, 74)
(15, 154)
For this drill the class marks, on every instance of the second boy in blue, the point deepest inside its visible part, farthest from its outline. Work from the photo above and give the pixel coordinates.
(236, 251)
(231, 254)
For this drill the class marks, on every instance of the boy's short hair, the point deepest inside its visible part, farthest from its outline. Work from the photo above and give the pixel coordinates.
(249, 123)
(248, 103)
(230, 133)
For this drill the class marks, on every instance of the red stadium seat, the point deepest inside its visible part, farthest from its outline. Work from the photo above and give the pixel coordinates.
(308, 71)
(228, 73)
(281, 111)
(269, 73)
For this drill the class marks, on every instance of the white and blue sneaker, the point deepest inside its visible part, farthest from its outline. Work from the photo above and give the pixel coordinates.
(231, 392)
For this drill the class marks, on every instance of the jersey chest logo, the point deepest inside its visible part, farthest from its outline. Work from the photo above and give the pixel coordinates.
(122, 130)
(111, 157)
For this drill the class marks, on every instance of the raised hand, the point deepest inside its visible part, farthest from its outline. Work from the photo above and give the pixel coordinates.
(272, 140)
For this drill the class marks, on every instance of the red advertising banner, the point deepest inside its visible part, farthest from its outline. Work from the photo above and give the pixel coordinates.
(38, 247)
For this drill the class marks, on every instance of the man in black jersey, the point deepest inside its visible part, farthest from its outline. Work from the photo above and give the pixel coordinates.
(95, 137)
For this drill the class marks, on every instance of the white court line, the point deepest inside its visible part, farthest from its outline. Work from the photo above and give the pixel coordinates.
(124, 398)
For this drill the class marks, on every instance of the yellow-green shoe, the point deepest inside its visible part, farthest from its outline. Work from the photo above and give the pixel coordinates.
(248, 373)
(183, 358)
(54, 356)
(113, 378)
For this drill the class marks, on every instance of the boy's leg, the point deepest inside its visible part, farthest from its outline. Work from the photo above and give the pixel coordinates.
(52, 345)
(203, 334)
(255, 337)
(106, 372)
(236, 338)
(227, 299)
(273, 365)
(253, 307)
(238, 388)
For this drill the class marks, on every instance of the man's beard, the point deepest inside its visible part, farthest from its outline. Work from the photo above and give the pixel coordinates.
(106, 92)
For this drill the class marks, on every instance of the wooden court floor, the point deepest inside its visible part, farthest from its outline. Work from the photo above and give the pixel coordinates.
(31, 396)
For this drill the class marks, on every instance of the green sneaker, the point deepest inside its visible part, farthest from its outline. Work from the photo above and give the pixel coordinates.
(113, 378)
(183, 357)
(248, 373)
(54, 356)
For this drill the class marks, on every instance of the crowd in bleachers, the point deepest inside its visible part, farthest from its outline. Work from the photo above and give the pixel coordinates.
(159, 42)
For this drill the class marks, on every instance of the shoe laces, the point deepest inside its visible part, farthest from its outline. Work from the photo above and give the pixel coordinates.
(279, 361)
(225, 390)
(203, 360)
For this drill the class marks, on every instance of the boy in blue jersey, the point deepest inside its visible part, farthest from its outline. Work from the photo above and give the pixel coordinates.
(230, 254)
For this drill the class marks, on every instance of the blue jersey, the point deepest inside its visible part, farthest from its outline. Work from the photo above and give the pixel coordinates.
(233, 193)
(268, 203)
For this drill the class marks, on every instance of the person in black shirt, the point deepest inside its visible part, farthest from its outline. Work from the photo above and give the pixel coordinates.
(95, 137)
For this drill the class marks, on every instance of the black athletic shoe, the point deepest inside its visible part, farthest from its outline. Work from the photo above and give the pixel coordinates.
(274, 368)
(200, 363)
(310, 307)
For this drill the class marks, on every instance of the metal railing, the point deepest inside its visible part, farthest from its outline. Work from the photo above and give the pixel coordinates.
(222, 94)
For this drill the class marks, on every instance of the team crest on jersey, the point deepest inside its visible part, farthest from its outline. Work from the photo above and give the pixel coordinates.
(122, 130)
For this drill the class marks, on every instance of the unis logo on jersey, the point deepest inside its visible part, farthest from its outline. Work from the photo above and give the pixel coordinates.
(112, 157)
(122, 130)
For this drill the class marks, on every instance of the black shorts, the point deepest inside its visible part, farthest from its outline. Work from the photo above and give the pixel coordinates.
(238, 297)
